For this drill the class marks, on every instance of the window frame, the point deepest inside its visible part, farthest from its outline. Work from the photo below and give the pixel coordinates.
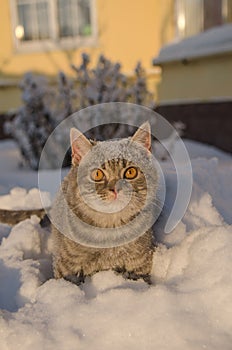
(180, 35)
(54, 43)
(226, 10)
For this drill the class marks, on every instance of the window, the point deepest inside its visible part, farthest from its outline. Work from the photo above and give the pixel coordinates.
(195, 16)
(227, 11)
(74, 18)
(44, 24)
(189, 17)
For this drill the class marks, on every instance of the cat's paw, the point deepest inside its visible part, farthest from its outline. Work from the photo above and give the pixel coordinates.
(77, 279)
(132, 275)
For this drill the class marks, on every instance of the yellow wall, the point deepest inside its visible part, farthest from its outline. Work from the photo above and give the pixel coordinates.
(128, 31)
(10, 98)
(202, 80)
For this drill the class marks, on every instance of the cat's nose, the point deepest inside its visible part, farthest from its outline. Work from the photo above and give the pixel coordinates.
(119, 185)
(112, 185)
(115, 186)
(114, 191)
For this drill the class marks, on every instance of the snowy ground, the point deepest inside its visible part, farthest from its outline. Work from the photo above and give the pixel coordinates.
(188, 307)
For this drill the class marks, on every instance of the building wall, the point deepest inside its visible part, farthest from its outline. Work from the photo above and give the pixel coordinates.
(201, 80)
(128, 31)
(10, 97)
(204, 122)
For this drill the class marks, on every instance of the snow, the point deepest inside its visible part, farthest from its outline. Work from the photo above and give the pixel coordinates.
(20, 198)
(215, 41)
(189, 305)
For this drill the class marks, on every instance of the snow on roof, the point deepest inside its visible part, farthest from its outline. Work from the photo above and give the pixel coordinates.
(215, 41)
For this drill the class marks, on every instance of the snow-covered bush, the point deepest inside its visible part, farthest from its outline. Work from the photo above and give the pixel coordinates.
(45, 106)
(34, 120)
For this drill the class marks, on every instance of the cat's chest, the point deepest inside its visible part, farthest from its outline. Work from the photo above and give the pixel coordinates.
(111, 257)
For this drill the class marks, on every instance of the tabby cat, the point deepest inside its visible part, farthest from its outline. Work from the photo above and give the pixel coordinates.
(105, 189)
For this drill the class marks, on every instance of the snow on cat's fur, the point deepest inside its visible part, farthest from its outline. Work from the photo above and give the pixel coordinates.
(105, 176)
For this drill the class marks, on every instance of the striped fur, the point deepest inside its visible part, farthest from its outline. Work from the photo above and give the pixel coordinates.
(74, 261)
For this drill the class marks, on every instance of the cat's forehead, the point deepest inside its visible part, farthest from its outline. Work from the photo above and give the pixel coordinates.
(111, 149)
(122, 149)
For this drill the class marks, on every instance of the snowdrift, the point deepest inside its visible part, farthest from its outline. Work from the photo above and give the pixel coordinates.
(189, 305)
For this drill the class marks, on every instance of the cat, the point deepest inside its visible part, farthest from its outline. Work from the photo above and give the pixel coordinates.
(75, 261)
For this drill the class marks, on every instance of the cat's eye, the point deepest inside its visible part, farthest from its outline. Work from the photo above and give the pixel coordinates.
(97, 175)
(130, 173)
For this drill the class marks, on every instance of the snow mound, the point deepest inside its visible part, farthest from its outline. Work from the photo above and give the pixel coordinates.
(20, 198)
(188, 306)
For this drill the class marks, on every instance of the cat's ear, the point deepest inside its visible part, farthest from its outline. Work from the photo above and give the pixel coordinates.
(143, 135)
(80, 145)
